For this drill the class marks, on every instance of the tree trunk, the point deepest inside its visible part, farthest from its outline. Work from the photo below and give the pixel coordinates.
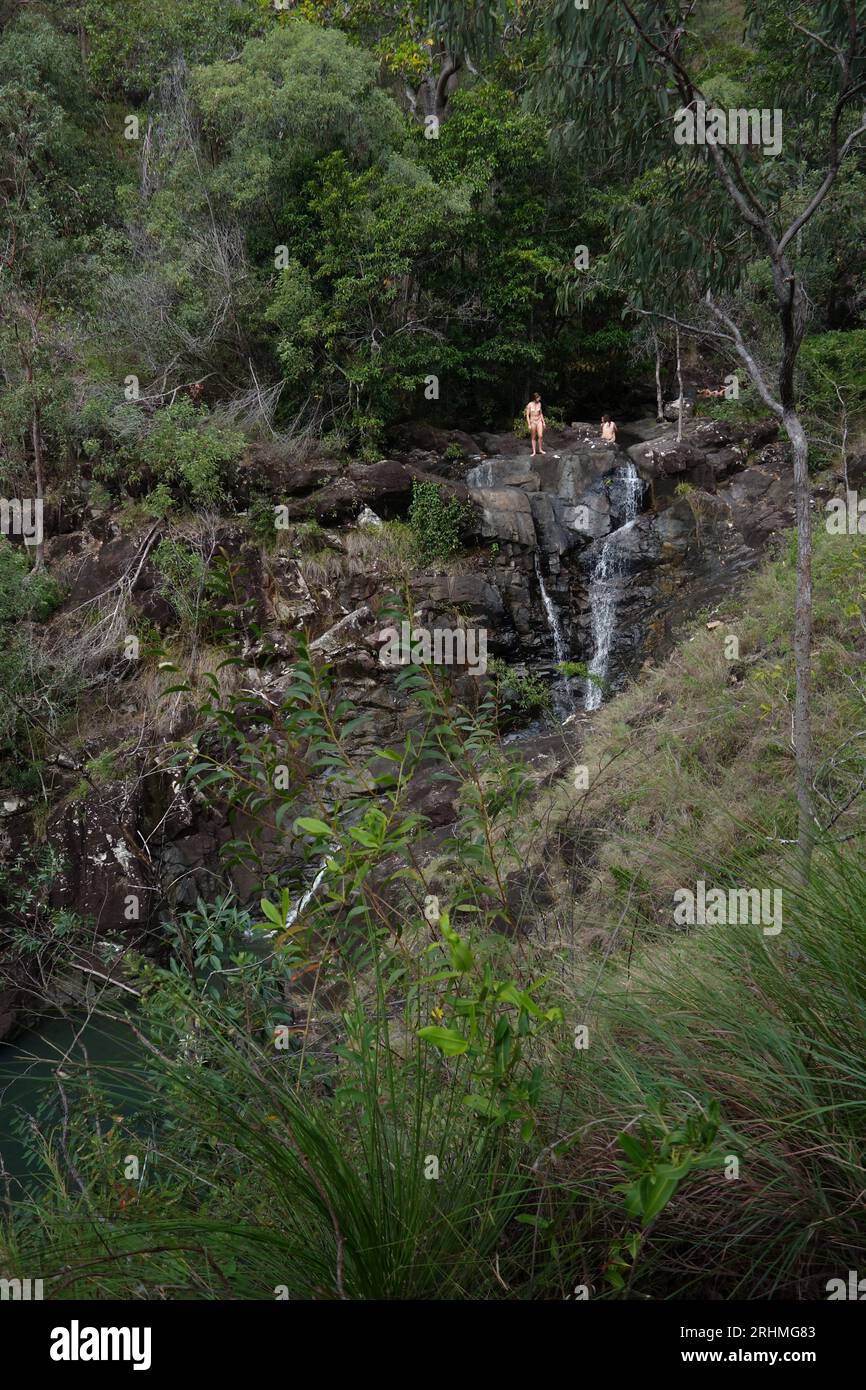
(803, 640)
(39, 470)
(660, 403)
(682, 403)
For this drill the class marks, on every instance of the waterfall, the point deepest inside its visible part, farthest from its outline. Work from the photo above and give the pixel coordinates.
(562, 700)
(604, 587)
(560, 645)
(633, 493)
(297, 908)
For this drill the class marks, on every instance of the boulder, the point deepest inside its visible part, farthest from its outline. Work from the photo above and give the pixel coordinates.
(506, 515)
(470, 592)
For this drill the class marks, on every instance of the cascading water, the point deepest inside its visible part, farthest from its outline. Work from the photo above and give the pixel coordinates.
(561, 693)
(297, 906)
(604, 587)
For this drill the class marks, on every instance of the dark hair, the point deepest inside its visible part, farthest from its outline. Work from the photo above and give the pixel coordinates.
(536, 395)
(605, 419)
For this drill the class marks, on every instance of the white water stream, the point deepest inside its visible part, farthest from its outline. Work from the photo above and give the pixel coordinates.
(563, 703)
(604, 588)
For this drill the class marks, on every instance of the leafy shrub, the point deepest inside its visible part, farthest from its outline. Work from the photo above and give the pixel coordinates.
(191, 453)
(182, 453)
(25, 595)
(435, 522)
(523, 691)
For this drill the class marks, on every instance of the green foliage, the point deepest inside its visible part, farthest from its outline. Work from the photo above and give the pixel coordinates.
(833, 373)
(26, 595)
(658, 1159)
(435, 522)
(189, 451)
(29, 686)
(184, 580)
(33, 930)
(131, 44)
(308, 1166)
(493, 1024)
(521, 692)
(301, 79)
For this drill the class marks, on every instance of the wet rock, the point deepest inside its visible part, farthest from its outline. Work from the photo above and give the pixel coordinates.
(503, 472)
(188, 870)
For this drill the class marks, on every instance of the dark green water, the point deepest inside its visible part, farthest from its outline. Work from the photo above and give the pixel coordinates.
(77, 1052)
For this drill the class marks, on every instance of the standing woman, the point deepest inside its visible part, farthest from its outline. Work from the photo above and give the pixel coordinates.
(608, 430)
(535, 421)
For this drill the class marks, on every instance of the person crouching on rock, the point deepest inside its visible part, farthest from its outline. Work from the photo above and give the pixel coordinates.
(535, 421)
(608, 430)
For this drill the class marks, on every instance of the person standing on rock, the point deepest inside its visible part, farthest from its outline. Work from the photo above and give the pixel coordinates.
(608, 430)
(535, 421)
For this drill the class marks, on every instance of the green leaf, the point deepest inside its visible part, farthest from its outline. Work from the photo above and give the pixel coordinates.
(635, 1152)
(448, 1040)
(660, 1194)
(310, 826)
(483, 1105)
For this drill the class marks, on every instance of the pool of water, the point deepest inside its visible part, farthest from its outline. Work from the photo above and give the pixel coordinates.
(69, 1051)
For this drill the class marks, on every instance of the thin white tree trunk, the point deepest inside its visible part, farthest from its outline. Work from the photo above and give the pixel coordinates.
(682, 403)
(660, 403)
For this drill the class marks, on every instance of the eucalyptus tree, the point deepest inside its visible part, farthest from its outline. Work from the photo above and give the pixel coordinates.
(626, 76)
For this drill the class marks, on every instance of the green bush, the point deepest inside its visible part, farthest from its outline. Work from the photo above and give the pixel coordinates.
(192, 453)
(523, 691)
(436, 523)
(25, 594)
(829, 361)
